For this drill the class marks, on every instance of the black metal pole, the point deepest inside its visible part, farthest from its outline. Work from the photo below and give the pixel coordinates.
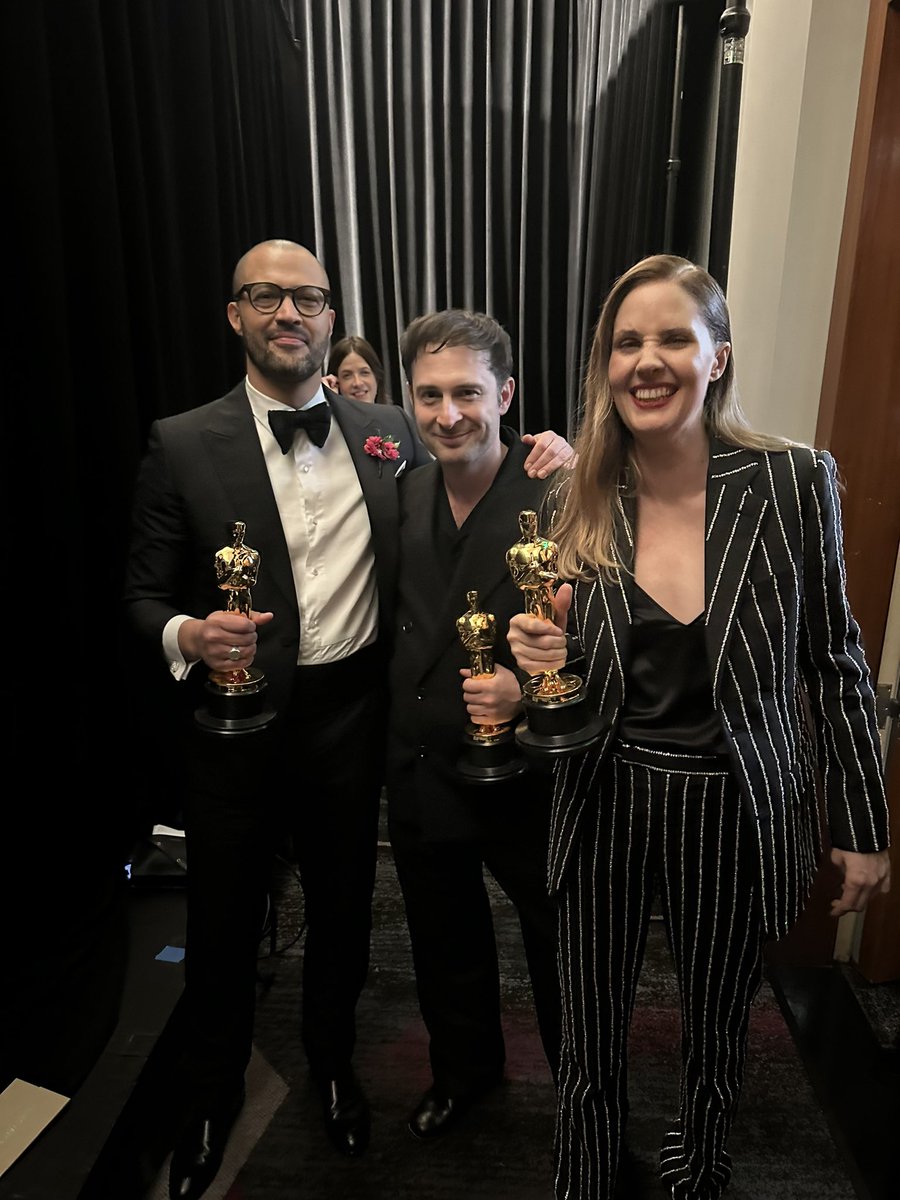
(673, 164)
(733, 26)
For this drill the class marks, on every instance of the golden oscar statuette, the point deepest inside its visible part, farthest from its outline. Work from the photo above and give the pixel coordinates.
(489, 751)
(557, 718)
(236, 699)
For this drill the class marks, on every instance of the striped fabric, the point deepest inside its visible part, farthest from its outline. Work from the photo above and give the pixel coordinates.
(734, 853)
(790, 680)
(672, 825)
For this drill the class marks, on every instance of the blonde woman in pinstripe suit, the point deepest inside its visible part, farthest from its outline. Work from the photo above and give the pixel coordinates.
(710, 607)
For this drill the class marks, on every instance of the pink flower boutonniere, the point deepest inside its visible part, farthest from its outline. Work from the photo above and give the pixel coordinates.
(381, 448)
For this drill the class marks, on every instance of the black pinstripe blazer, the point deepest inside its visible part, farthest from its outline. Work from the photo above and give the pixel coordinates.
(790, 681)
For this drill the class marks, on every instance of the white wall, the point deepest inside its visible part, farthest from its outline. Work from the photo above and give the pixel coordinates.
(802, 69)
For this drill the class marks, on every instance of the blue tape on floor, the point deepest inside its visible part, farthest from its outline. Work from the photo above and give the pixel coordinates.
(170, 954)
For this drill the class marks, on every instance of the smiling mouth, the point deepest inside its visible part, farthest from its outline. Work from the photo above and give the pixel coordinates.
(653, 397)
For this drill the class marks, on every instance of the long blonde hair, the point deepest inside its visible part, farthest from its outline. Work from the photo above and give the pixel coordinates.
(586, 528)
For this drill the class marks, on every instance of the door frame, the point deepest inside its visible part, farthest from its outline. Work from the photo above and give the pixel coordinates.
(859, 418)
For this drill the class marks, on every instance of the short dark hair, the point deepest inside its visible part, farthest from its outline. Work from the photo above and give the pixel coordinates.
(458, 327)
(366, 351)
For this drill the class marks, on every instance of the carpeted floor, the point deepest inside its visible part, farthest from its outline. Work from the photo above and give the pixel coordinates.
(781, 1142)
(880, 1003)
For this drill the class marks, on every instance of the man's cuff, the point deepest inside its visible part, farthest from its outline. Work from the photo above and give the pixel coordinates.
(179, 667)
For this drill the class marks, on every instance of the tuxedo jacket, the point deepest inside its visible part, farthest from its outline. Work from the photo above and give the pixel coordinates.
(205, 469)
(428, 714)
(789, 677)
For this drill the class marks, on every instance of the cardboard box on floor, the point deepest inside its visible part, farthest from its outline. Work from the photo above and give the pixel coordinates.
(25, 1112)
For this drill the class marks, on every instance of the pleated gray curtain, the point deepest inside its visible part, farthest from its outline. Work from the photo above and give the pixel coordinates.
(502, 155)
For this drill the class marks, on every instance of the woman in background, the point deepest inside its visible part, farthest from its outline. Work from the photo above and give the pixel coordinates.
(710, 607)
(355, 370)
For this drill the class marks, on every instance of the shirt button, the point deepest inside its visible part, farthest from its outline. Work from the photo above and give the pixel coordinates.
(421, 752)
(305, 468)
(420, 695)
(406, 626)
(315, 571)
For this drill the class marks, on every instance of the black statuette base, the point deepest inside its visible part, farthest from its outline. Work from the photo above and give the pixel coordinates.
(491, 758)
(235, 708)
(560, 727)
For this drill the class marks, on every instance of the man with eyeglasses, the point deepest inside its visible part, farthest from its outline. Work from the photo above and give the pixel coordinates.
(314, 478)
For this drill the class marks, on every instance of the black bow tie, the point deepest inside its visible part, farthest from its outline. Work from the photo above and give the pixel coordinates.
(284, 423)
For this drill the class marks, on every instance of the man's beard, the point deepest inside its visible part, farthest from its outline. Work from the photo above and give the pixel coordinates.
(285, 368)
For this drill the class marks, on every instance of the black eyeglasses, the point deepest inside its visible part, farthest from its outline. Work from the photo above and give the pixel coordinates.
(269, 297)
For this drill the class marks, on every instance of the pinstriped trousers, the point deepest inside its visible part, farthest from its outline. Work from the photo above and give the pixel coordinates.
(672, 825)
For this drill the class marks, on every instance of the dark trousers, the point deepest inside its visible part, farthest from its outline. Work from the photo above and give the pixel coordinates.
(315, 776)
(454, 949)
(671, 824)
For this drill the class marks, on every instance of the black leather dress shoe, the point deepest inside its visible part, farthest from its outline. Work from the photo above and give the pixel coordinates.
(437, 1113)
(346, 1113)
(199, 1150)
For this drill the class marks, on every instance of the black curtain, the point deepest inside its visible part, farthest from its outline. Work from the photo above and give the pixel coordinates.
(146, 145)
(492, 154)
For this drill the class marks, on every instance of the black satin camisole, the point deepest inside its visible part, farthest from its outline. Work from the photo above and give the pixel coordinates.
(668, 686)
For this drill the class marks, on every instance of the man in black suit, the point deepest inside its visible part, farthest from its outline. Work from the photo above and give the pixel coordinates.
(314, 478)
(459, 517)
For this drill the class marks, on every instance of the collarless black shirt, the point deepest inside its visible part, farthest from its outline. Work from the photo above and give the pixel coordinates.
(449, 538)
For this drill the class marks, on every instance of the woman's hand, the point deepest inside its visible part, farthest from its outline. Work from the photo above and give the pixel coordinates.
(864, 876)
(540, 645)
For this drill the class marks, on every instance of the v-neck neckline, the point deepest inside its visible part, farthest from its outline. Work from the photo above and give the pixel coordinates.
(662, 609)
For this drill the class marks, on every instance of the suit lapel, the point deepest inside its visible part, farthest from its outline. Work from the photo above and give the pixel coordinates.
(423, 572)
(734, 517)
(449, 600)
(378, 479)
(235, 450)
(607, 616)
